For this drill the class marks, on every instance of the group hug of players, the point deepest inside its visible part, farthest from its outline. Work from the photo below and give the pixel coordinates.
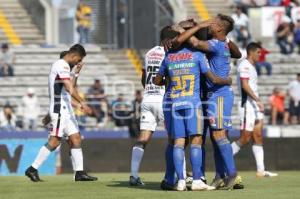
(188, 86)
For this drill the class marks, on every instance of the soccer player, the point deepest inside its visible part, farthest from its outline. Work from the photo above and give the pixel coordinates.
(151, 111)
(251, 109)
(183, 68)
(219, 97)
(61, 115)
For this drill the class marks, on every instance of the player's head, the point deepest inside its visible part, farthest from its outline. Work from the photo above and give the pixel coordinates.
(226, 23)
(75, 54)
(167, 33)
(63, 53)
(253, 51)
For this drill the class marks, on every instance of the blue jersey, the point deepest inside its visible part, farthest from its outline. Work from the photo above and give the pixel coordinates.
(219, 62)
(183, 69)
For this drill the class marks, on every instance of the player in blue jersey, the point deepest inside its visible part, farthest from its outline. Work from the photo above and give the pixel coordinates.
(219, 97)
(183, 68)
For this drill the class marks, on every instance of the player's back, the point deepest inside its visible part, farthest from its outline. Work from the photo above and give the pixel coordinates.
(153, 60)
(60, 99)
(219, 63)
(183, 67)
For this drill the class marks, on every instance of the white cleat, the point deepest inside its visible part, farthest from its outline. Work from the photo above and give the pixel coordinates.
(199, 185)
(266, 174)
(181, 185)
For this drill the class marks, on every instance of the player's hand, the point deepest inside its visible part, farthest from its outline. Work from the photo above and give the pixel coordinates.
(78, 67)
(229, 81)
(85, 108)
(187, 23)
(261, 106)
(168, 44)
(178, 28)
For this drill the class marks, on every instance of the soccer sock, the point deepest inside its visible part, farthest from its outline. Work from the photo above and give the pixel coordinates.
(78, 158)
(258, 152)
(41, 157)
(184, 167)
(72, 161)
(178, 157)
(136, 158)
(219, 163)
(196, 161)
(236, 146)
(203, 162)
(170, 169)
(227, 156)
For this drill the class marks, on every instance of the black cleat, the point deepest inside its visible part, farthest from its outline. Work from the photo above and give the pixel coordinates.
(83, 176)
(229, 183)
(164, 185)
(32, 174)
(136, 181)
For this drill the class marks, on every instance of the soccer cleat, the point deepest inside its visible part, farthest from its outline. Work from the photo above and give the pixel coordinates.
(164, 185)
(266, 174)
(229, 183)
(181, 185)
(217, 182)
(83, 176)
(238, 183)
(136, 181)
(199, 185)
(33, 174)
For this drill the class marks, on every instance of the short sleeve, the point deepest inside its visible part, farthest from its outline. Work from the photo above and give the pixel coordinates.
(64, 72)
(203, 64)
(163, 68)
(213, 45)
(244, 72)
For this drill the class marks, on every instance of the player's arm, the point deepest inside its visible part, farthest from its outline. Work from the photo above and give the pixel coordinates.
(143, 79)
(217, 80)
(247, 89)
(234, 50)
(159, 80)
(77, 70)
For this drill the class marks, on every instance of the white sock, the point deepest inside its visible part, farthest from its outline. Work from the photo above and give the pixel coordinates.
(73, 162)
(258, 152)
(136, 158)
(41, 157)
(184, 167)
(235, 148)
(78, 159)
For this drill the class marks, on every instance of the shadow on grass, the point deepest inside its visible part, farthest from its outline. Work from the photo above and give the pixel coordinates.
(153, 186)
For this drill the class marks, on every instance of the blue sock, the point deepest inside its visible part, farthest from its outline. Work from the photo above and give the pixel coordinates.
(196, 161)
(227, 156)
(170, 169)
(219, 163)
(178, 155)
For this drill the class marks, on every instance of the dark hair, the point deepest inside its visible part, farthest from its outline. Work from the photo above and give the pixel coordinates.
(252, 47)
(4, 46)
(168, 33)
(227, 22)
(63, 53)
(79, 49)
(298, 74)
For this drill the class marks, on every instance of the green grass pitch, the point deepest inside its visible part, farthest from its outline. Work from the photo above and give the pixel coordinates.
(115, 185)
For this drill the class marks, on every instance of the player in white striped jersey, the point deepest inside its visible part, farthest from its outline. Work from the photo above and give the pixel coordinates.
(61, 116)
(251, 109)
(151, 107)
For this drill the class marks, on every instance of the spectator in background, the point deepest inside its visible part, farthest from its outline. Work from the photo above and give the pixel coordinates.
(241, 28)
(274, 2)
(29, 110)
(134, 123)
(7, 119)
(84, 20)
(285, 36)
(262, 61)
(294, 93)
(7, 60)
(297, 34)
(97, 101)
(121, 111)
(79, 114)
(276, 101)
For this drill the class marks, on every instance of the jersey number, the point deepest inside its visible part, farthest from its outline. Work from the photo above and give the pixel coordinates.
(151, 73)
(185, 84)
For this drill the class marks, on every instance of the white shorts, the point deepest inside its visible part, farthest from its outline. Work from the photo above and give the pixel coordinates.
(151, 114)
(63, 125)
(249, 113)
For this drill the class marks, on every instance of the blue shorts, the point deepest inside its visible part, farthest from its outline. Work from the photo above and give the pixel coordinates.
(219, 106)
(186, 122)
